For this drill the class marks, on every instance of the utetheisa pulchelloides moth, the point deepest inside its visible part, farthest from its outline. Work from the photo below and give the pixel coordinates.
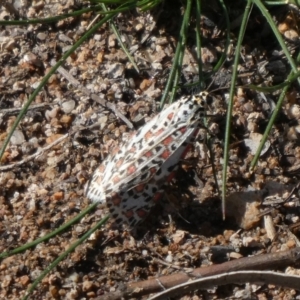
(132, 178)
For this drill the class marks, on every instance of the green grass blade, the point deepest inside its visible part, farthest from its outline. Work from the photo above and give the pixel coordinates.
(113, 1)
(185, 25)
(117, 34)
(272, 119)
(142, 5)
(51, 19)
(46, 78)
(269, 127)
(224, 54)
(148, 4)
(50, 235)
(281, 42)
(286, 84)
(282, 2)
(205, 77)
(198, 39)
(230, 104)
(269, 89)
(121, 8)
(62, 256)
(180, 45)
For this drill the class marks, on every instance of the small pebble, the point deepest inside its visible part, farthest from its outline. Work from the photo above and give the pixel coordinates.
(68, 106)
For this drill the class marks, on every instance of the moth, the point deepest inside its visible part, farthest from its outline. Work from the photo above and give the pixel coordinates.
(132, 178)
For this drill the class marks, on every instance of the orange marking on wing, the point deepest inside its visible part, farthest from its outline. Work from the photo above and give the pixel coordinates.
(131, 169)
(116, 199)
(168, 141)
(129, 213)
(101, 168)
(156, 197)
(152, 170)
(170, 116)
(115, 150)
(158, 132)
(139, 188)
(148, 154)
(166, 154)
(119, 163)
(170, 176)
(141, 213)
(182, 130)
(116, 179)
(99, 179)
(132, 149)
(148, 135)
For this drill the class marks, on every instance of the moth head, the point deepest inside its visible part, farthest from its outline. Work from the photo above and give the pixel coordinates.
(201, 98)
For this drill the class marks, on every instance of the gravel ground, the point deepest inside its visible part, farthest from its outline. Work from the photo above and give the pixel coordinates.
(67, 132)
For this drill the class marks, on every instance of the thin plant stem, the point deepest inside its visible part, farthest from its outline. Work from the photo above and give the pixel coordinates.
(47, 76)
(118, 36)
(205, 77)
(50, 235)
(185, 24)
(198, 39)
(277, 34)
(269, 89)
(51, 19)
(171, 80)
(63, 255)
(230, 103)
(272, 120)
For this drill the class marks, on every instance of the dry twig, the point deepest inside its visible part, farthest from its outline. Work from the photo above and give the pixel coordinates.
(260, 277)
(15, 110)
(259, 262)
(34, 155)
(96, 98)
